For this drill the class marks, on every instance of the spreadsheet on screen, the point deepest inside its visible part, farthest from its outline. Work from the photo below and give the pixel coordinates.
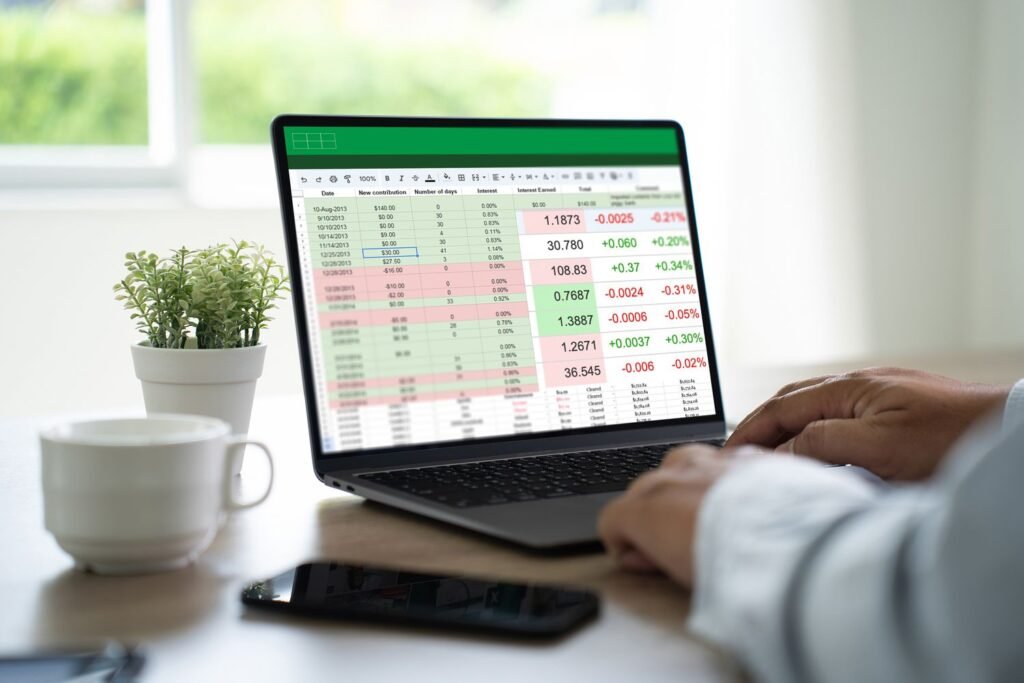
(463, 283)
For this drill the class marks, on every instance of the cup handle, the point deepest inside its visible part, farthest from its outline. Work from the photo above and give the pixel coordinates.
(235, 446)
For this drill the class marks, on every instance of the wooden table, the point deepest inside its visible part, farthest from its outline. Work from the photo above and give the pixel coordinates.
(193, 627)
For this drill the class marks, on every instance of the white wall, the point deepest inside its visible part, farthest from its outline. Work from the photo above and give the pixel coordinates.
(996, 250)
(875, 167)
(915, 78)
(796, 222)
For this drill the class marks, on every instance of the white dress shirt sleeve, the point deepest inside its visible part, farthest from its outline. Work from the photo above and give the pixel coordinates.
(1013, 414)
(809, 573)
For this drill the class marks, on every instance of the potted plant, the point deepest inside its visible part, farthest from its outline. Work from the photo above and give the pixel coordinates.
(201, 313)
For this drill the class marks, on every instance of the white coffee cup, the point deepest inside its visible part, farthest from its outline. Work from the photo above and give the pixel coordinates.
(139, 495)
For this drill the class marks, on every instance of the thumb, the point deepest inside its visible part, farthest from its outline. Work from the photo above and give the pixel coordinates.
(635, 561)
(836, 441)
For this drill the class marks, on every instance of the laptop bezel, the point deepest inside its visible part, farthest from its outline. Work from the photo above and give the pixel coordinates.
(662, 431)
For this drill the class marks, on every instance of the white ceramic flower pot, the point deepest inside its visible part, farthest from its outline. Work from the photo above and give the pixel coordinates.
(216, 382)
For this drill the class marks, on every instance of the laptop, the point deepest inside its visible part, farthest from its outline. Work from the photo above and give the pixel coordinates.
(501, 322)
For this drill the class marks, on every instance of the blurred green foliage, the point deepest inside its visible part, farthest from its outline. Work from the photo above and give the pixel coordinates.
(69, 76)
(260, 58)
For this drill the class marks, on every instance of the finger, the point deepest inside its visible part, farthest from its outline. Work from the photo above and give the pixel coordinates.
(629, 530)
(614, 523)
(802, 384)
(812, 381)
(685, 455)
(745, 453)
(680, 455)
(838, 441)
(626, 522)
(635, 561)
(780, 418)
(662, 476)
(789, 389)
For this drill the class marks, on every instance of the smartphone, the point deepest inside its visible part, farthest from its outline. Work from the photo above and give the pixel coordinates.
(113, 663)
(359, 592)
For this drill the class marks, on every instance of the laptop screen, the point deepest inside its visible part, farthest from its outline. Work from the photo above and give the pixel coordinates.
(471, 282)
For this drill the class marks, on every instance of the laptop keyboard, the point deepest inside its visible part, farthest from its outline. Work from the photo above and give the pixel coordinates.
(537, 477)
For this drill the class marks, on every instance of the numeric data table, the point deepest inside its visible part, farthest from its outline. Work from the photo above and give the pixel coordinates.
(439, 313)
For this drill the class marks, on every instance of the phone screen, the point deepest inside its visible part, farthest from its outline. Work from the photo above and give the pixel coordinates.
(351, 591)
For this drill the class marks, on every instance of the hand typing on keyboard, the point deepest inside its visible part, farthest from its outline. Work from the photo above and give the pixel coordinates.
(651, 527)
(897, 423)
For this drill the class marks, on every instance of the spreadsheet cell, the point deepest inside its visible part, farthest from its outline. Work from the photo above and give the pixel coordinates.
(473, 309)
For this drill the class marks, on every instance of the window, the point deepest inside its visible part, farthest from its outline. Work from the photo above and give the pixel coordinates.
(172, 93)
(258, 58)
(55, 92)
(94, 98)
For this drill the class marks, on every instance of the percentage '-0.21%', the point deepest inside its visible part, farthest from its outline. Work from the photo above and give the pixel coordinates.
(668, 217)
(689, 363)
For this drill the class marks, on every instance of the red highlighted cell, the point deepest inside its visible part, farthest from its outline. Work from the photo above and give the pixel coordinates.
(413, 282)
(560, 271)
(554, 221)
(569, 373)
(571, 348)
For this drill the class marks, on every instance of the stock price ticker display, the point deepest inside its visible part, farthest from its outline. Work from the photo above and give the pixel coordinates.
(519, 290)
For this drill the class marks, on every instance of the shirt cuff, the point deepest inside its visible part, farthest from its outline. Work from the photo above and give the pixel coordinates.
(1013, 413)
(754, 526)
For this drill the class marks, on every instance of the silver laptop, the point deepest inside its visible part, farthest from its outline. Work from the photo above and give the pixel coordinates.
(502, 323)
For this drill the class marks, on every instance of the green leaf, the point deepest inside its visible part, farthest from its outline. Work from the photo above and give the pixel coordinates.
(216, 297)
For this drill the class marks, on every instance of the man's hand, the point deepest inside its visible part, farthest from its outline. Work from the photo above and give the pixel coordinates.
(651, 527)
(896, 423)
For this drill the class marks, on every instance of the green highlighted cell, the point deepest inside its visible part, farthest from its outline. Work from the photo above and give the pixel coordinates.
(565, 309)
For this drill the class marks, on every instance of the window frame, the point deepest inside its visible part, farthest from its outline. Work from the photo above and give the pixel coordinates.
(170, 113)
